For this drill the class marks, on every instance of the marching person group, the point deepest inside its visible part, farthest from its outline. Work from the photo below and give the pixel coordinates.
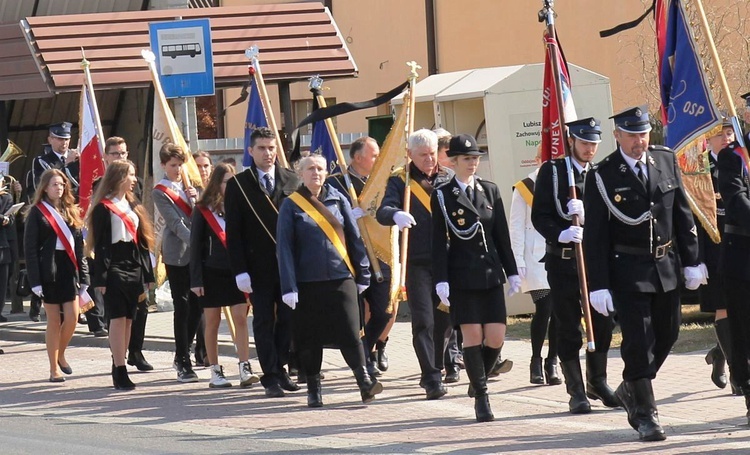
(288, 244)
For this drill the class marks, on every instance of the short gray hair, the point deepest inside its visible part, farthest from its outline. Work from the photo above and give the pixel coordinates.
(441, 133)
(423, 138)
(301, 164)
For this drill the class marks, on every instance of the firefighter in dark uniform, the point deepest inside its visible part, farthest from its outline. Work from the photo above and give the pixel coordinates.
(639, 232)
(363, 153)
(712, 294)
(430, 327)
(551, 215)
(468, 268)
(734, 187)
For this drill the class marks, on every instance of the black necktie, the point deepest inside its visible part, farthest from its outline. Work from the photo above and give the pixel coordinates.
(268, 184)
(641, 174)
(470, 193)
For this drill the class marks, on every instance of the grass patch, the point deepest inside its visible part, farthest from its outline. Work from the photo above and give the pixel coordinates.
(696, 332)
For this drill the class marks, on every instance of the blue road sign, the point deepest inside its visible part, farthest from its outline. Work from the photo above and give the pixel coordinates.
(183, 57)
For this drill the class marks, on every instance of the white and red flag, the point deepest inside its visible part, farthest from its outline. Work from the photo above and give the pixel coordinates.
(90, 147)
(553, 145)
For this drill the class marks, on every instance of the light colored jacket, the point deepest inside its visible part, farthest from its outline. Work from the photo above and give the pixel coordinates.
(175, 244)
(527, 244)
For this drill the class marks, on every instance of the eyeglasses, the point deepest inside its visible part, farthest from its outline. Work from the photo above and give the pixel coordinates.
(125, 153)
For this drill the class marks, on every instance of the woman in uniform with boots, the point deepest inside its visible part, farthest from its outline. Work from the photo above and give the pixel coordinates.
(323, 267)
(53, 245)
(471, 250)
(120, 234)
(212, 281)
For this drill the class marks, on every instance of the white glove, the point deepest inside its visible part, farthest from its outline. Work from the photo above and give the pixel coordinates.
(572, 234)
(37, 290)
(290, 299)
(362, 288)
(443, 290)
(404, 220)
(358, 212)
(522, 273)
(601, 300)
(515, 285)
(704, 270)
(243, 283)
(695, 276)
(575, 206)
(84, 288)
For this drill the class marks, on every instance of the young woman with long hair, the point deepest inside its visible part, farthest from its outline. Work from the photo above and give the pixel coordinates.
(120, 234)
(57, 273)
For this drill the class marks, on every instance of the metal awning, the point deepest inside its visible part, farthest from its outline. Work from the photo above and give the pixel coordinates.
(42, 55)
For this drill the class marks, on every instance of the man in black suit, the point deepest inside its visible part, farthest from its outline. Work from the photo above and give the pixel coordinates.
(639, 232)
(551, 214)
(252, 199)
(430, 327)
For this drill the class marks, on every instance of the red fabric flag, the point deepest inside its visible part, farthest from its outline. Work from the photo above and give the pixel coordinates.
(552, 128)
(92, 164)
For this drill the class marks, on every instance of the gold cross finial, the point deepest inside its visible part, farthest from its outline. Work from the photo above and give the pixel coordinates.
(414, 67)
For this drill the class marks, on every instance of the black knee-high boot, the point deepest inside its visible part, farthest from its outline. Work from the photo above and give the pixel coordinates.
(474, 360)
(355, 359)
(724, 337)
(490, 357)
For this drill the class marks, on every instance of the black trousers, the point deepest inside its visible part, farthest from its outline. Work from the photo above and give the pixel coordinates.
(187, 312)
(378, 298)
(650, 324)
(738, 311)
(272, 329)
(138, 329)
(430, 327)
(566, 309)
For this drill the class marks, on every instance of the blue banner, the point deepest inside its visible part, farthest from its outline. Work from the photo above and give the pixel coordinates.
(256, 118)
(689, 106)
(321, 142)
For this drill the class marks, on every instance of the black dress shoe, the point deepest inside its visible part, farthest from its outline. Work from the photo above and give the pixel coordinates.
(82, 319)
(286, 383)
(137, 360)
(34, 317)
(66, 370)
(452, 375)
(101, 333)
(274, 391)
(435, 391)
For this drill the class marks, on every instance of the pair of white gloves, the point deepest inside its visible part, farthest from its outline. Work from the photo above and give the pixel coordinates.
(443, 289)
(696, 275)
(245, 285)
(574, 234)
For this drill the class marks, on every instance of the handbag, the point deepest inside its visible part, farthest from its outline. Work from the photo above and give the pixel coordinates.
(23, 288)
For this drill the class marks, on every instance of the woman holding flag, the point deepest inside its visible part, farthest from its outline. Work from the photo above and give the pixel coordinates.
(211, 278)
(57, 273)
(323, 266)
(120, 233)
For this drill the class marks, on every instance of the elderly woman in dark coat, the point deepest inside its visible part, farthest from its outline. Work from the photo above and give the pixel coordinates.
(323, 266)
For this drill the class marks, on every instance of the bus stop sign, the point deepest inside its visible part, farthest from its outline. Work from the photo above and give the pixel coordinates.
(183, 57)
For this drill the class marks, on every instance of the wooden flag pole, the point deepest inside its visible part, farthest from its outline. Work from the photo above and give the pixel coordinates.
(547, 14)
(85, 64)
(252, 54)
(315, 85)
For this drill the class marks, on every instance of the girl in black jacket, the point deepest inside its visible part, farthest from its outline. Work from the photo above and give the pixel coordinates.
(57, 273)
(120, 233)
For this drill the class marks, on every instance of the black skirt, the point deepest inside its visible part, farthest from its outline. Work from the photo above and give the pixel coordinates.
(327, 314)
(477, 306)
(124, 281)
(219, 289)
(65, 287)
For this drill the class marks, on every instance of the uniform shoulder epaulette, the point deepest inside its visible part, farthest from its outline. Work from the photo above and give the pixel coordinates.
(397, 172)
(659, 148)
(442, 184)
(605, 162)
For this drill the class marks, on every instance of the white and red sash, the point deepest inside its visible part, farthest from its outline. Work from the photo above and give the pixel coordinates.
(175, 198)
(129, 224)
(61, 228)
(217, 224)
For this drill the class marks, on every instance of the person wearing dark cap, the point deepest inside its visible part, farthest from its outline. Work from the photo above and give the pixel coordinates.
(470, 268)
(57, 155)
(552, 214)
(735, 261)
(713, 299)
(639, 232)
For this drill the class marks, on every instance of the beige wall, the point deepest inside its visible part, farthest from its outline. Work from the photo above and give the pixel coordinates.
(384, 34)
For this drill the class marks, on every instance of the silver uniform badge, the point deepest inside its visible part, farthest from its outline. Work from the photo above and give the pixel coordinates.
(623, 168)
(456, 191)
(638, 113)
(592, 123)
(467, 143)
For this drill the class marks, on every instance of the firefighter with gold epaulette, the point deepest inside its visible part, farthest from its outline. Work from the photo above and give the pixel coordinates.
(363, 152)
(430, 327)
(551, 215)
(639, 233)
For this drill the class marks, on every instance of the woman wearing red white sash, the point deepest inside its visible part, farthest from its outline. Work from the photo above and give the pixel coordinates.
(57, 273)
(120, 234)
(212, 280)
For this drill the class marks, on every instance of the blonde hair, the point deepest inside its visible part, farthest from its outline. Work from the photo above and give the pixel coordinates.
(70, 211)
(116, 172)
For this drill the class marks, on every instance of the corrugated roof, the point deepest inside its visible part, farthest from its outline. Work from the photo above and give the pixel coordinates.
(295, 41)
